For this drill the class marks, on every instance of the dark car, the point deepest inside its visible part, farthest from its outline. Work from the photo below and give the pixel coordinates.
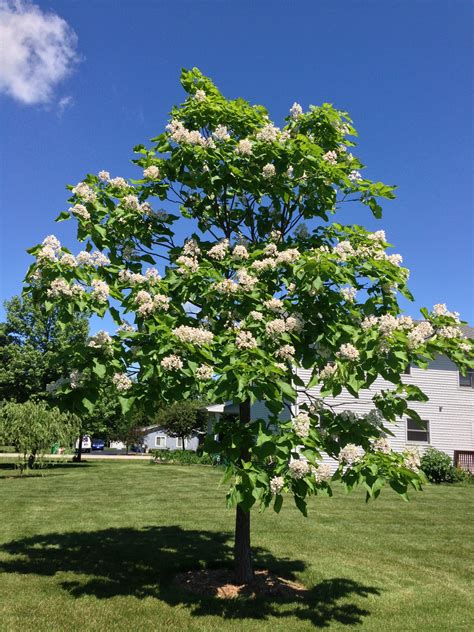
(98, 444)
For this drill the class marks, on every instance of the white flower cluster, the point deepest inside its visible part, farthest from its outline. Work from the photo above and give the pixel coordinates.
(191, 248)
(204, 372)
(172, 363)
(294, 324)
(269, 133)
(50, 249)
(343, 250)
(394, 259)
(349, 454)
(131, 202)
(387, 323)
(274, 305)
(322, 473)
(151, 173)
(382, 444)
(348, 294)
(275, 327)
(60, 287)
(348, 352)
(276, 484)
(268, 171)
(75, 378)
(245, 280)
(257, 316)
(411, 459)
(301, 425)
(378, 235)
(330, 157)
(419, 334)
(100, 290)
(227, 286)
(187, 265)
(296, 111)
(122, 382)
(298, 469)
(194, 335)
(240, 252)
(79, 210)
(219, 251)
(180, 134)
(355, 176)
(96, 259)
(327, 371)
(119, 183)
(440, 309)
(286, 352)
(244, 147)
(148, 304)
(84, 191)
(200, 96)
(99, 340)
(126, 327)
(221, 133)
(104, 176)
(245, 340)
(268, 263)
(68, 260)
(450, 332)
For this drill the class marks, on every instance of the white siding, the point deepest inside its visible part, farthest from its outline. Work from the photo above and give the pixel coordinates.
(450, 409)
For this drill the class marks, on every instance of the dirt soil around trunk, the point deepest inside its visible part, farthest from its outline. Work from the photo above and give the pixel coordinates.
(220, 583)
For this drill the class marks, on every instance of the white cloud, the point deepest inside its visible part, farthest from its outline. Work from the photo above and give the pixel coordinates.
(38, 51)
(65, 102)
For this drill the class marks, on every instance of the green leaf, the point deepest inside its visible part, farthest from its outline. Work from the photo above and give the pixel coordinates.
(301, 504)
(278, 503)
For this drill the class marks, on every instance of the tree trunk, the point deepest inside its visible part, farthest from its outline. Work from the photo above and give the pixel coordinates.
(243, 568)
(79, 452)
(31, 459)
(183, 439)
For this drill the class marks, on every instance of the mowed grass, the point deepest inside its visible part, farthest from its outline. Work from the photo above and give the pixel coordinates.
(96, 546)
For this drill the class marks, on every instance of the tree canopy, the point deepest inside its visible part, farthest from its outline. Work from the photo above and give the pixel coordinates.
(34, 348)
(264, 282)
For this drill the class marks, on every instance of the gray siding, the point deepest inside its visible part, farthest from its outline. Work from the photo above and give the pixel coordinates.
(170, 443)
(450, 409)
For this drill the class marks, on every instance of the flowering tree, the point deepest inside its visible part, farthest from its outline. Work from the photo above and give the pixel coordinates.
(263, 283)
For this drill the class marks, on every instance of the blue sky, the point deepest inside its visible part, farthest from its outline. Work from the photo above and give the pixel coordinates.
(402, 70)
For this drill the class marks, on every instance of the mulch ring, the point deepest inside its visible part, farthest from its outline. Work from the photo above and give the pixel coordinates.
(220, 583)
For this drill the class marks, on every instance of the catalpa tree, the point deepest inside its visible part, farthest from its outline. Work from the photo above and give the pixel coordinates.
(264, 282)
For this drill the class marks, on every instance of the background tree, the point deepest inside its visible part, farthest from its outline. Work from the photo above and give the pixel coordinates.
(33, 428)
(34, 348)
(263, 284)
(183, 419)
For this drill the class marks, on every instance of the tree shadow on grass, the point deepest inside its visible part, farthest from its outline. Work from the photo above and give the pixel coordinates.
(142, 563)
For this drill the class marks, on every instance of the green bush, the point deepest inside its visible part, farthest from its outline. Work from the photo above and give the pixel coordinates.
(182, 457)
(439, 468)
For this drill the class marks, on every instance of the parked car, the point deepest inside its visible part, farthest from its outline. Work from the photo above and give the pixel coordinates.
(86, 444)
(98, 444)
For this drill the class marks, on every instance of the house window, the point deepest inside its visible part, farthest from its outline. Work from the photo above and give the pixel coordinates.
(179, 442)
(418, 431)
(160, 442)
(468, 379)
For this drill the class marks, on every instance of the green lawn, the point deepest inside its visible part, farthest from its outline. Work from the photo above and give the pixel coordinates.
(95, 547)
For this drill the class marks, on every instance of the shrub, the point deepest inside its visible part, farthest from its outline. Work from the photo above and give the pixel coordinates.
(181, 457)
(33, 428)
(438, 467)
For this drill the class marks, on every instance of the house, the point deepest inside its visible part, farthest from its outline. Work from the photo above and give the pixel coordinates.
(156, 438)
(448, 415)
